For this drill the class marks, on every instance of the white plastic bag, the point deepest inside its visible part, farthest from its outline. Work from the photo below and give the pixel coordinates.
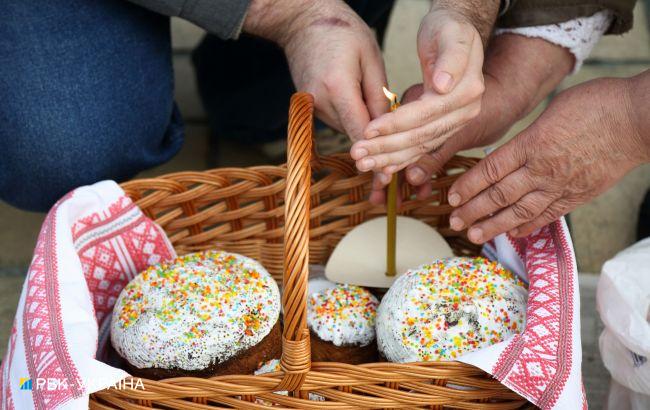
(623, 300)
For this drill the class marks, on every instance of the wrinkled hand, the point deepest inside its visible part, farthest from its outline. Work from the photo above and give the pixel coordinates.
(332, 54)
(451, 57)
(514, 84)
(579, 147)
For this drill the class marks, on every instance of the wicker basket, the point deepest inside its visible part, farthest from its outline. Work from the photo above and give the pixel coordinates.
(286, 217)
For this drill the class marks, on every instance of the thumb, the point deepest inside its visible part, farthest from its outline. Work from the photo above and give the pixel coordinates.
(423, 169)
(446, 61)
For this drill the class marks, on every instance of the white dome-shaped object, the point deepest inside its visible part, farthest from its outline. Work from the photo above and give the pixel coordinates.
(199, 310)
(360, 257)
(449, 307)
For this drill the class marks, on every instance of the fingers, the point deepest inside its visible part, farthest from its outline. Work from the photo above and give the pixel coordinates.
(496, 197)
(369, 154)
(490, 170)
(420, 173)
(526, 209)
(426, 109)
(378, 193)
(454, 50)
(551, 214)
(350, 107)
(427, 165)
(394, 161)
(373, 78)
(325, 111)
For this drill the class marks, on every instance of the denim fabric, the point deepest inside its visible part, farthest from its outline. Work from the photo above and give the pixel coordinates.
(86, 93)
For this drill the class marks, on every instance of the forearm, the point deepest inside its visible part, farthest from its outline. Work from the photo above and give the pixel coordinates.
(273, 19)
(639, 111)
(481, 13)
(279, 20)
(527, 81)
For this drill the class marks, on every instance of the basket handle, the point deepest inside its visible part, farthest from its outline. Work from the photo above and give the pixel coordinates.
(296, 354)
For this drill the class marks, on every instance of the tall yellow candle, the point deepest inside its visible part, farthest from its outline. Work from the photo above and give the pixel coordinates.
(391, 207)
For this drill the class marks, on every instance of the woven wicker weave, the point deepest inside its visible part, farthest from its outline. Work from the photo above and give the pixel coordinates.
(286, 217)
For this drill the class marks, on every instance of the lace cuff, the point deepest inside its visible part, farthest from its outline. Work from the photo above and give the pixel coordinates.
(579, 35)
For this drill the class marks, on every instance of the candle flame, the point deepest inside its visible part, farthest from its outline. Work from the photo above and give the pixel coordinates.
(392, 97)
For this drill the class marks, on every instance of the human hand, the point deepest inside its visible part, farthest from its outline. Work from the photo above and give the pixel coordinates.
(514, 84)
(585, 141)
(332, 54)
(450, 50)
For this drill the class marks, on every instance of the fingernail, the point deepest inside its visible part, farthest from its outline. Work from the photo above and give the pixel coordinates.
(456, 223)
(454, 199)
(443, 81)
(372, 134)
(384, 179)
(360, 153)
(416, 175)
(475, 235)
(367, 163)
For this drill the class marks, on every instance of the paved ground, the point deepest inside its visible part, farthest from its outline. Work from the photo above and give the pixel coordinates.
(599, 229)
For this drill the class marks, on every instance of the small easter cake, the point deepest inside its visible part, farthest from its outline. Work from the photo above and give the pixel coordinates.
(341, 319)
(450, 307)
(203, 314)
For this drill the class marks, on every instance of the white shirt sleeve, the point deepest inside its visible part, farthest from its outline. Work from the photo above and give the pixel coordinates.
(579, 35)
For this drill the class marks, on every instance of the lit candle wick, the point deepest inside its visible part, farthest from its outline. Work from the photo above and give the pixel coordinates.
(392, 98)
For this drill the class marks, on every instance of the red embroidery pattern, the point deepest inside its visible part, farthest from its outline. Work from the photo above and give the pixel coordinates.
(115, 210)
(537, 363)
(113, 246)
(116, 246)
(46, 350)
(5, 370)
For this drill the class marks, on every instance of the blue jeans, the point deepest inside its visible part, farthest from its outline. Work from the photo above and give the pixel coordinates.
(86, 93)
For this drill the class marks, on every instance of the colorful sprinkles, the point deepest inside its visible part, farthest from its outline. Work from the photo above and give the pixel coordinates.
(343, 315)
(450, 307)
(200, 309)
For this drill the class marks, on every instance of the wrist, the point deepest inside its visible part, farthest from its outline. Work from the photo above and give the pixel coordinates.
(481, 14)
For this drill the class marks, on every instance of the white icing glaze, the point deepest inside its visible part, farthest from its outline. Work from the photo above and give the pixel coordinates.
(447, 308)
(202, 309)
(319, 284)
(343, 315)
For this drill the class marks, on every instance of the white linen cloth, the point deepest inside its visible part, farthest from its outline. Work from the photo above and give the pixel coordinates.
(94, 240)
(542, 364)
